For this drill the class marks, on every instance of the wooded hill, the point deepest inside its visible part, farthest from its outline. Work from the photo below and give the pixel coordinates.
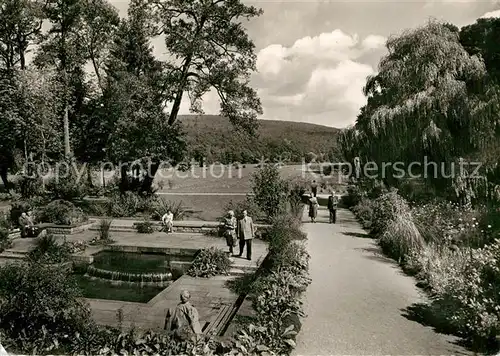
(213, 137)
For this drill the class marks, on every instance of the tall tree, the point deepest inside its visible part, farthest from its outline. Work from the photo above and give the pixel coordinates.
(63, 50)
(20, 26)
(210, 50)
(426, 100)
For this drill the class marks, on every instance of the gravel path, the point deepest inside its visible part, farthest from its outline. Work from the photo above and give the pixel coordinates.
(355, 304)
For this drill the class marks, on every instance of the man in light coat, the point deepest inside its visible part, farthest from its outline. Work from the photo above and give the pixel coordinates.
(246, 233)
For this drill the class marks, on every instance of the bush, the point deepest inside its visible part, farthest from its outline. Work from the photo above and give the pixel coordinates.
(386, 209)
(270, 191)
(248, 204)
(124, 204)
(162, 206)
(210, 262)
(40, 309)
(144, 227)
(401, 237)
(68, 188)
(354, 196)
(364, 212)
(31, 187)
(104, 229)
(48, 251)
(61, 212)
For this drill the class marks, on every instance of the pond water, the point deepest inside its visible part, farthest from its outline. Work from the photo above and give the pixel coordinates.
(114, 269)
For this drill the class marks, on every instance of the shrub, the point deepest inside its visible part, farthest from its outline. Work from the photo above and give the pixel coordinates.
(48, 251)
(364, 212)
(162, 206)
(401, 237)
(270, 191)
(283, 231)
(297, 189)
(104, 229)
(124, 204)
(210, 262)
(70, 187)
(144, 227)
(40, 309)
(248, 204)
(354, 196)
(471, 294)
(386, 209)
(61, 212)
(30, 187)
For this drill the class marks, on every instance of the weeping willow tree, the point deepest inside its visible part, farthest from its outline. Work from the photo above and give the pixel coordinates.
(431, 99)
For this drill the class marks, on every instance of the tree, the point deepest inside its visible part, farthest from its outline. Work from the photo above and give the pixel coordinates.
(483, 39)
(424, 100)
(212, 51)
(270, 191)
(20, 26)
(63, 50)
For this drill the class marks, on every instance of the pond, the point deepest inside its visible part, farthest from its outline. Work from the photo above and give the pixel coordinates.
(128, 276)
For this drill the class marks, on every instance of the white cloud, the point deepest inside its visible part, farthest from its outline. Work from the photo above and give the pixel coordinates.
(491, 14)
(317, 79)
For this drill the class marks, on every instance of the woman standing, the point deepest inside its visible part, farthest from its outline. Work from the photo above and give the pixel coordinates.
(230, 224)
(313, 208)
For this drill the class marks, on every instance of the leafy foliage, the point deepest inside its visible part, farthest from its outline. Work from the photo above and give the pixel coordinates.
(40, 308)
(210, 262)
(270, 191)
(144, 227)
(61, 212)
(47, 250)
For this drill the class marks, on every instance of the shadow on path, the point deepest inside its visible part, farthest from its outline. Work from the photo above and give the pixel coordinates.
(432, 315)
(358, 234)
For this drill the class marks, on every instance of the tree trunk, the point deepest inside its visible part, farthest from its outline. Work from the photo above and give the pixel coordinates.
(147, 183)
(3, 175)
(124, 186)
(67, 148)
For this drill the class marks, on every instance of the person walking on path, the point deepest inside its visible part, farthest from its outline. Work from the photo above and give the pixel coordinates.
(314, 189)
(313, 208)
(230, 225)
(332, 207)
(246, 232)
(184, 321)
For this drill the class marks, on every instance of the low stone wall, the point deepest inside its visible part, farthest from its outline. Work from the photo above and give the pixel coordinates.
(68, 230)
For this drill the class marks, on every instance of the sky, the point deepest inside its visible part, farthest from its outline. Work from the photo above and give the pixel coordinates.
(313, 57)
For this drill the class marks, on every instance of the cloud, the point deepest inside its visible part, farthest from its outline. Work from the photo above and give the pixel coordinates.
(491, 14)
(317, 79)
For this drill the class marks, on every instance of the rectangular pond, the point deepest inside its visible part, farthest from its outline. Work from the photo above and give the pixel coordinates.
(128, 276)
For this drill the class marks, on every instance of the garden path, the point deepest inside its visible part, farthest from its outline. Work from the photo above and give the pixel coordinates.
(356, 301)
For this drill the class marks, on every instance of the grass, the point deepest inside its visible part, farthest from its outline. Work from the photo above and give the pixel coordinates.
(100, 289)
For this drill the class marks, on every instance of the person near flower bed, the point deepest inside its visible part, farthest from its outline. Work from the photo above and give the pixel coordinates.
(184, 321)
(168, 221)
(313, 208)
(332, 207)
(246, 233)
(230, 225)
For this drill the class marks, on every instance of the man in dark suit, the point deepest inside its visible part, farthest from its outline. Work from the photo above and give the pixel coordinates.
(332, 207)
(246, 232)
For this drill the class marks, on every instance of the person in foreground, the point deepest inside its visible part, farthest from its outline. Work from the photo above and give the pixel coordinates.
(313, 208)
(168, 221)
(332, 207)
(184, 321)
(246, 232)
(230, 225)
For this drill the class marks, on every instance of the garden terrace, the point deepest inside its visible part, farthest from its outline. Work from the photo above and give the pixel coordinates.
(213, 300)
